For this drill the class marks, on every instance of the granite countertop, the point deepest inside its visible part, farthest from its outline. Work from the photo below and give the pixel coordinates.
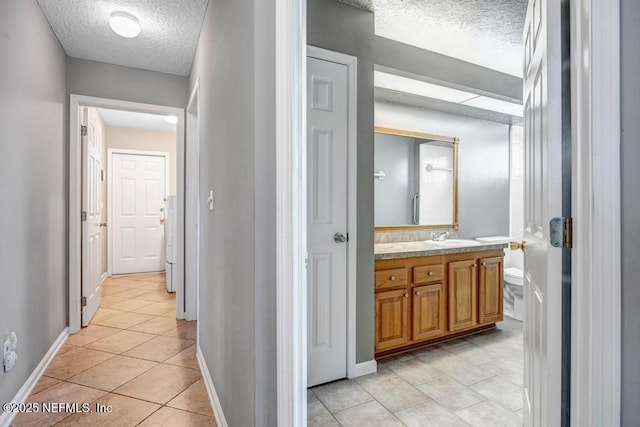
(427, 248)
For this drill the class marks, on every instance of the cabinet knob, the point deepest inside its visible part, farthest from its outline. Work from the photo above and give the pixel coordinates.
(484, 264)
(406, 295)
(430, 273)
(392, 278)
(417, 292)
(474, 265)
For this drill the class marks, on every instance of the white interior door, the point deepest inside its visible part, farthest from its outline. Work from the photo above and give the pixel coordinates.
(327, 140)
(138, 192)
(543, 179)
(91, 206)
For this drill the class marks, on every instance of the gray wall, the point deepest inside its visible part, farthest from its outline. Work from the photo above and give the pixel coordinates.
(32, 187)
(483, 163)
(335, 26)
(630, 104)
(236, 70)
(395, 156)
(102, 80)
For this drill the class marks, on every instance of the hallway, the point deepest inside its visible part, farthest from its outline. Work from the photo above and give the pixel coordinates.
(135, 356)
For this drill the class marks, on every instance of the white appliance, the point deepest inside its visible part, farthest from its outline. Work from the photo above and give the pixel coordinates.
(170, 226)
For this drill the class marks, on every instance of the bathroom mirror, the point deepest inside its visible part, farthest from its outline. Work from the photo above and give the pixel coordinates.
(416, 180)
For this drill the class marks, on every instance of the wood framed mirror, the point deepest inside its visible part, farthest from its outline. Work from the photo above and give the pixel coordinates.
(416, 180)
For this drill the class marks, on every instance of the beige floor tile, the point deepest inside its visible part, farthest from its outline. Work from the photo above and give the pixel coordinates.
(429, 414)
(108, 300)
(340, 395)
(43, 384)
(113, 373)
(59, 393)
(125, 411)
(459, 369)
(194, 399)
(73, 362)
(318, 415)
(450, 393)
(160, 384)
(169, 417)
(507, 369)
(171, 314)
(112, 290)
(187, 331)
(124, 320)
(130, 304)
(186, 358)
(472, 353)
(159, 349)
(66, 347)
(156, 308)
(132, 293)
(90, 334)
(415, 371)
(488, 414)
(157, 296)
(500, 391)
(122, 341)
(104, 314)
(391, 391)
(370, 414)
(157, 325)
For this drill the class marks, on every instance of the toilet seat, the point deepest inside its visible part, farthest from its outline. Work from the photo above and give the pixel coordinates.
(513, 276)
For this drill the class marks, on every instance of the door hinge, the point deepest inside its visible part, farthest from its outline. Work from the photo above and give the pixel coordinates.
(83, 302)
(83, 216)
(83, 130)
(561, 232)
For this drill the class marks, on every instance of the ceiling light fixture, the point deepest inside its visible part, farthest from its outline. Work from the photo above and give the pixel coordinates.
(171, 119)
(124, 24)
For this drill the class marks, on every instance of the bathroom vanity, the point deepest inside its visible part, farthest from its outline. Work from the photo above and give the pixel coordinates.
(429, 291)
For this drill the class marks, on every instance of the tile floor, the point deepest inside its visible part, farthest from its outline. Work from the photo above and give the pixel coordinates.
(473, 381)
(135, 356)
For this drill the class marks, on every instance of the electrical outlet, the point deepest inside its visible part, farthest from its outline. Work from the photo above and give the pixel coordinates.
(10, 344)
(210, 200)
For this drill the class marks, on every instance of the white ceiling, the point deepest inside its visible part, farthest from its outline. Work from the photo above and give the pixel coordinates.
(129, 119)
(483, 32)
(167, 43)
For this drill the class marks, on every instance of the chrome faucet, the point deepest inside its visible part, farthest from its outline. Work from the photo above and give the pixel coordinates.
(439, 237)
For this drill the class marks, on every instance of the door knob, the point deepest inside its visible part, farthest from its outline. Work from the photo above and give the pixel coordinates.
(103, 224)
(514, 246)
(161, 220)
(339, 237)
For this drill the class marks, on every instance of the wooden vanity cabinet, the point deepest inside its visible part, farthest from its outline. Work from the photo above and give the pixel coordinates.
(428, 299)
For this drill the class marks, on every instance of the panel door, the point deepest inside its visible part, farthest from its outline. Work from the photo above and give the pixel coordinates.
(490, 290)
(543, 198)
(428, 312)
(139, 190)
(392, 319)
(91, 290)
(327, 139)
(463, 305)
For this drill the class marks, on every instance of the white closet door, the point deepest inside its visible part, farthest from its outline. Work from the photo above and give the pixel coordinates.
(139, 189)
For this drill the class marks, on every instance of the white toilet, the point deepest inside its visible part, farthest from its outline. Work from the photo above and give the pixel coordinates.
(513, 294)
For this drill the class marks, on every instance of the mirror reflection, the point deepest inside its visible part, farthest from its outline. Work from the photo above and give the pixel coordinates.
(415, 179)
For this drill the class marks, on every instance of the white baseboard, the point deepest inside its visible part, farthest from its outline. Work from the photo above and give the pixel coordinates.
(104, 276)
(366, 368)
(213, 396)
(7, 417)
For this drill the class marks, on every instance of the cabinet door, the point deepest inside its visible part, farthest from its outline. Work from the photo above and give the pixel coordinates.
(490, 290)
(392, 318)
(428, 312)
(463, 302)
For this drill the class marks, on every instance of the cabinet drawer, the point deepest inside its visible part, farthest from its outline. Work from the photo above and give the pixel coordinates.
(428, 273)
(391, 278)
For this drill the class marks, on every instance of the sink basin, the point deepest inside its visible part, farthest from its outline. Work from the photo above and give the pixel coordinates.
(456, 242)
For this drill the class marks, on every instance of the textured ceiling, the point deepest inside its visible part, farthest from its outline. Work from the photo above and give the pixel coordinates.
(133, 120)
(483, 32)
(170, 31)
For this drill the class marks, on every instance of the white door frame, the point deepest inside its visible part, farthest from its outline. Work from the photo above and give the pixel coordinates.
(596, 259)
(596, 208)
(75, 181)
(110, 153)
(351, 62)
(192, 213)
